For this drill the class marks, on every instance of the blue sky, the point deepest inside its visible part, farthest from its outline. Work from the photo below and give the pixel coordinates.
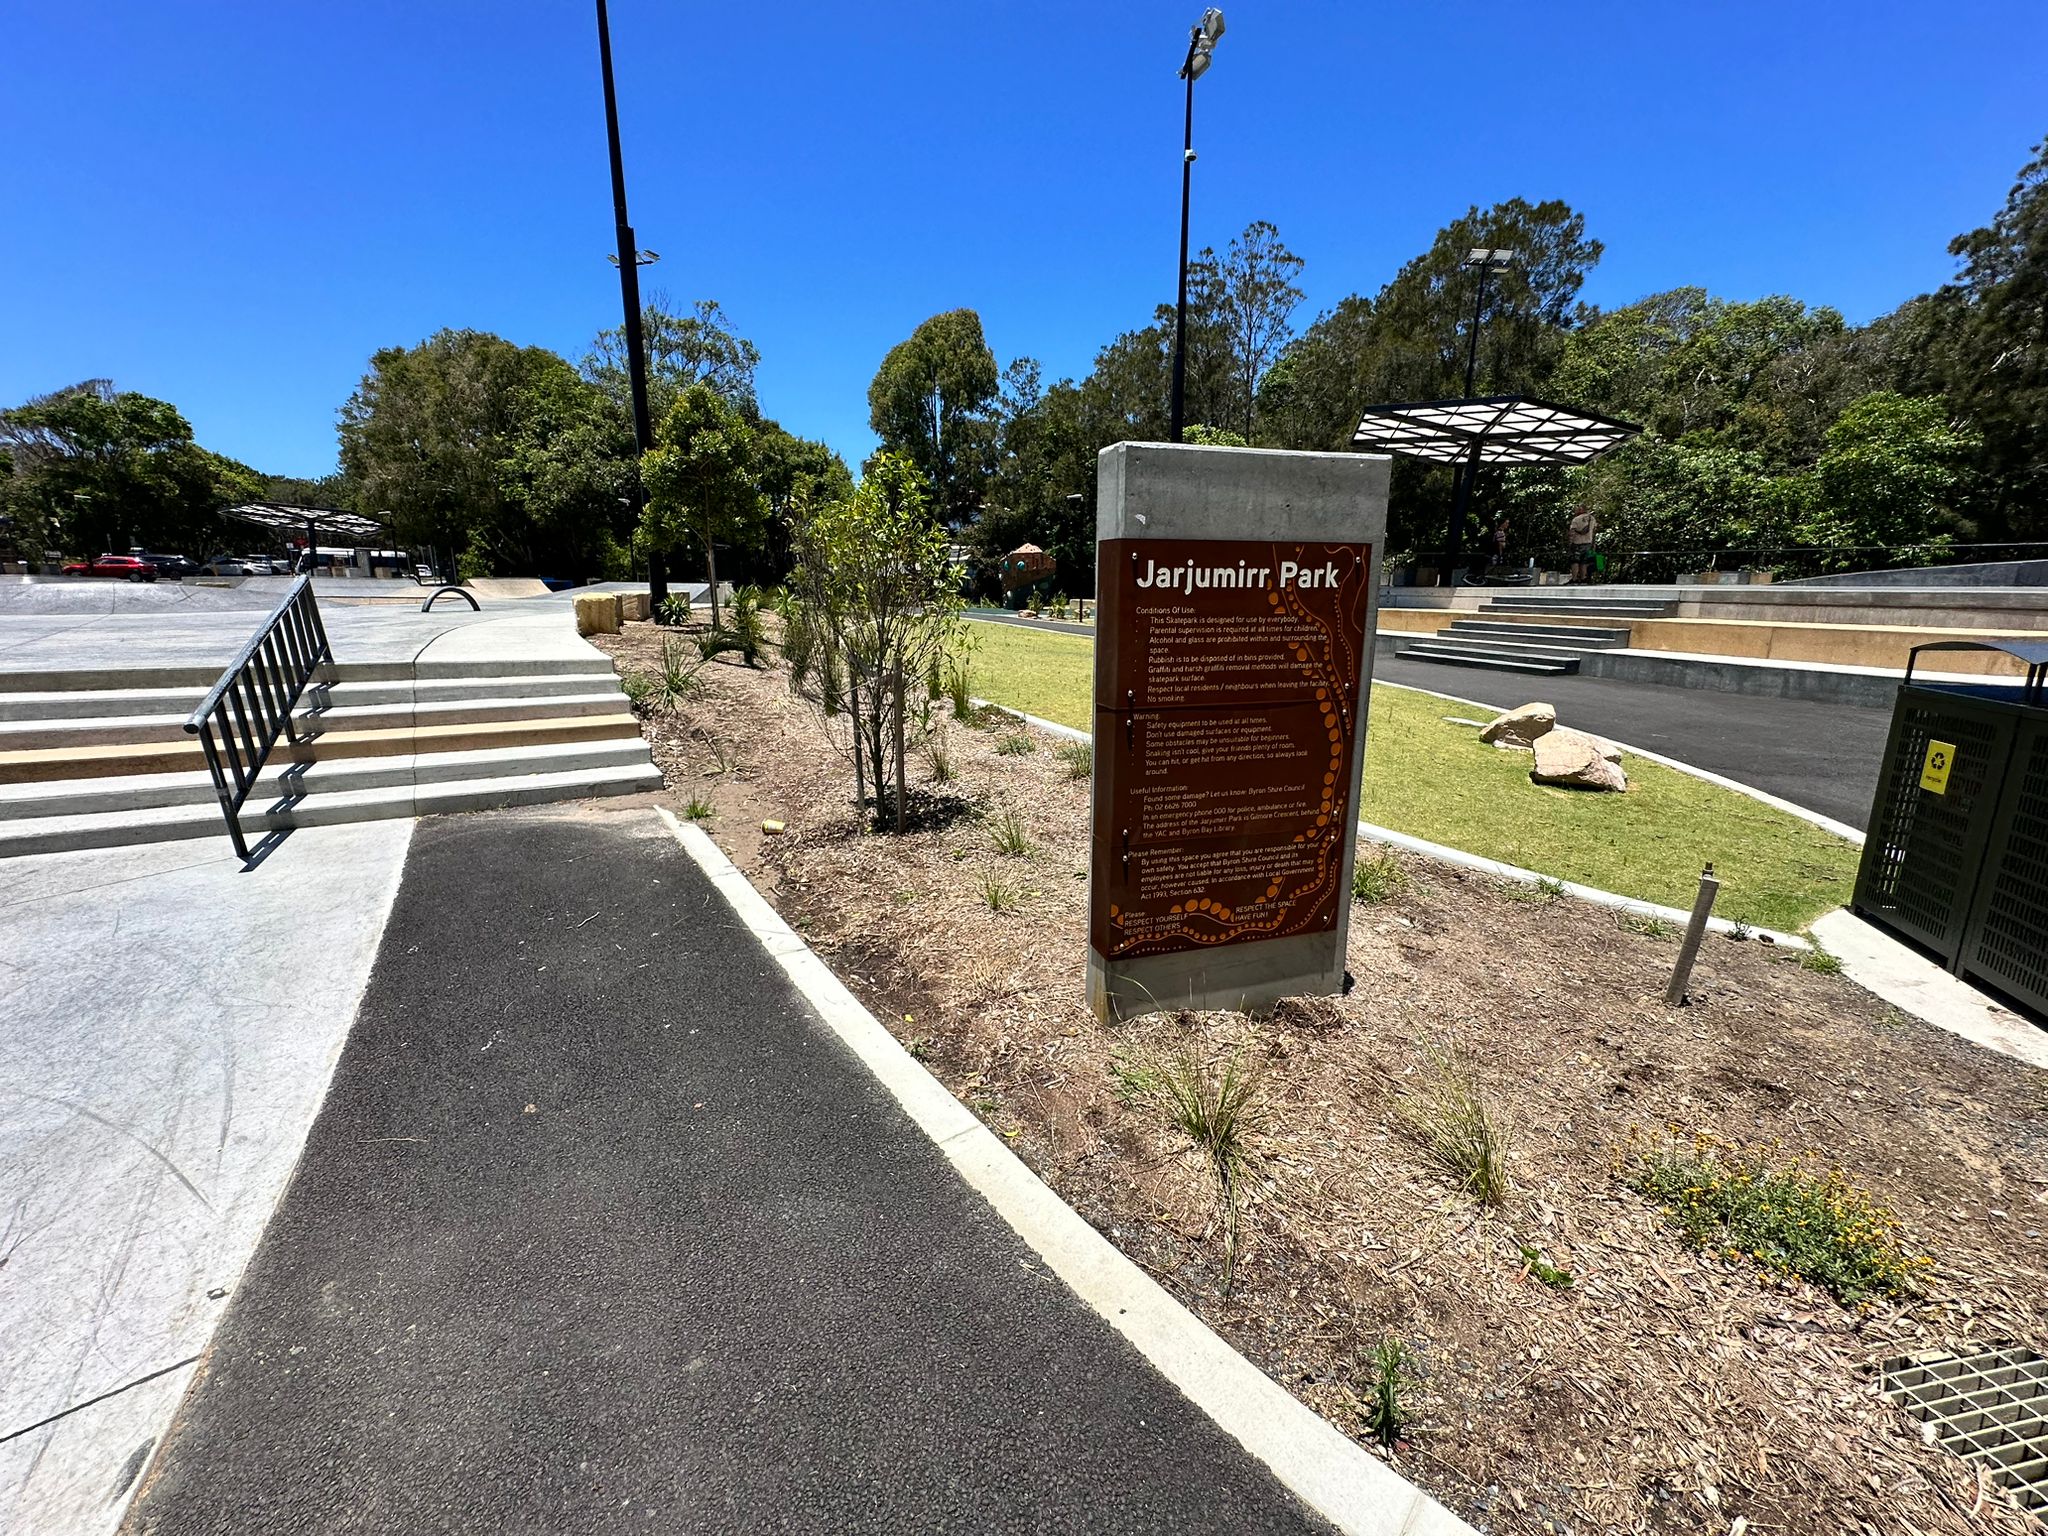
(231, 205)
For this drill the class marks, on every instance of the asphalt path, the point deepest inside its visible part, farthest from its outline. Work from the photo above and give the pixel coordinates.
(1824, 757)
(601, 1230)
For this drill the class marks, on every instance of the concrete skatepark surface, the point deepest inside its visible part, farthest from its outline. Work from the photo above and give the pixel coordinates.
(86, 626)
(601, 1229)
(167, 1027)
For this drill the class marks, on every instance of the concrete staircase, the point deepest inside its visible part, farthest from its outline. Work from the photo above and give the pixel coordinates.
(1539, 650)
(100, 759)
(1530, 605)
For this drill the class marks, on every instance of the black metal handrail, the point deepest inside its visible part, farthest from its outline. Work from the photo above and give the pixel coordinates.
(241, 717)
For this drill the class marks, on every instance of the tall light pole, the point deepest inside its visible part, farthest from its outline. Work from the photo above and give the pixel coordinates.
(1486, 260)
(628, 262)
(1202, 40)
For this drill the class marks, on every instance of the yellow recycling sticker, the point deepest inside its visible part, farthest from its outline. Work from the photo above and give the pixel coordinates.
(1941, 756)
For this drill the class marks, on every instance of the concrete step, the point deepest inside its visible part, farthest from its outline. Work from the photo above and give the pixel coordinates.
(59, 834)
(1590, 607)
(1492, 663)
(1488, 645)
(1581, 636)
(157, 791)
(115, 730)
(99, 703)
(183, 755)
(201, 678)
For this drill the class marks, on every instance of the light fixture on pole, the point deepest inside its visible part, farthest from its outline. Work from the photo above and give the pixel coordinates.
(1485, 260)
(640, 258)
(629, 261)
(1202, 40)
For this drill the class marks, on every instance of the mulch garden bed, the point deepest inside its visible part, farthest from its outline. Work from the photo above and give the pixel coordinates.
(1665, 1388)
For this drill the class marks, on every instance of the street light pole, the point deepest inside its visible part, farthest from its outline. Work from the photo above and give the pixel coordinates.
(1201, 50)
(1486, 260)
(629, 294)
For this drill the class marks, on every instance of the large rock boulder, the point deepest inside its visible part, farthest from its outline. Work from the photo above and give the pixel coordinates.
(1518, 729)
(1577, 760)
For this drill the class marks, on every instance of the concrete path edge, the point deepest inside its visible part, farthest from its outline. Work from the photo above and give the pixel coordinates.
(1328, 1471)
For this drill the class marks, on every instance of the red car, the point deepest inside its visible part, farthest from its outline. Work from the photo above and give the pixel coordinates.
(127, 566)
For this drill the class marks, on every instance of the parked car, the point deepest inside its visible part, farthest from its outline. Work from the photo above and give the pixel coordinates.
(126, 566)
(224, 565)
(173, 566)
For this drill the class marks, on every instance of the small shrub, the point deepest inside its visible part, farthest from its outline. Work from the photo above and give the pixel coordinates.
(1001, 893)
(1390, 1372)
(673, 610)
(1007, 830)
(1460, 1127)
(1820, 962)
(639, 690)
(698, 809)
(1079, 756)
(1016, 744)
(1741, 930)
(1379, 878)
(1787, 1216)
(1539, 1268)
(938, 758)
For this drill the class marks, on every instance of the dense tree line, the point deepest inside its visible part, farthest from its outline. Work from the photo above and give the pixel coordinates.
(1769, 425)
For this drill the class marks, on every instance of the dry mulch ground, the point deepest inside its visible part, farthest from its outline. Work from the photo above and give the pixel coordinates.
(1664, 1389)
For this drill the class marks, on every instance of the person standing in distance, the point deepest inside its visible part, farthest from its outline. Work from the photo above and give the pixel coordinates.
(1584, 525)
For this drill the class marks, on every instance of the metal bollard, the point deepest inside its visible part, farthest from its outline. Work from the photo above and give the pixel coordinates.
(1695, 930)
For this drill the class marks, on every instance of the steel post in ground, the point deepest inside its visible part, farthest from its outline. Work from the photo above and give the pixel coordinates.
(1695, 931)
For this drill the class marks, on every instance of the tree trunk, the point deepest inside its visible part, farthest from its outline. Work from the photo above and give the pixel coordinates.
(898, 695)
(711, 568)
(860, 743)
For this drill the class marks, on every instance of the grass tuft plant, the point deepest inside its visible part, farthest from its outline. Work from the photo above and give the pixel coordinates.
(1820, 962)
(1460, 1127)
(1378, 878)
(1790, 1216)
(1007, 831)
(959, 689)
(1647, 924)
(938, 758)
(1016, 744)
(999, 891)
(1217, 1107)
(1079, 756)
(699, 809)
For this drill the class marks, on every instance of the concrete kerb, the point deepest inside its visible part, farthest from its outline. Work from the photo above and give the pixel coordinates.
(1327, 1470)
(1515, 873)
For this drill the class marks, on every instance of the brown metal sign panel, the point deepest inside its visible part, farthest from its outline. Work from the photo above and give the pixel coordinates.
(1224, 734)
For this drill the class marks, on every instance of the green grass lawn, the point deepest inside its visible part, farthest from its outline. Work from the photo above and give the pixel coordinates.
(1434, 780)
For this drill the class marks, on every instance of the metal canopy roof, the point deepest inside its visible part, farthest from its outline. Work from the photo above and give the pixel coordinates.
(2033, 653)
(1504, 429)
(282, 517)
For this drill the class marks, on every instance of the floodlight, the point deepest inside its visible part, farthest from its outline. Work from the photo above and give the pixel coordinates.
(1212, 25)
(1197, 65)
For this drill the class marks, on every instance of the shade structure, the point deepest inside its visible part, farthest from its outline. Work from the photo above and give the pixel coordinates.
(343, 527)
(1498, 429)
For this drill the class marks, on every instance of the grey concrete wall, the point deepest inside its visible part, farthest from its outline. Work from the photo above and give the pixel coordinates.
(1168, 491)
(1987, 573)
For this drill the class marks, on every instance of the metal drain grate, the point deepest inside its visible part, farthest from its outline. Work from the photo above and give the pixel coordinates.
(1991, 1408)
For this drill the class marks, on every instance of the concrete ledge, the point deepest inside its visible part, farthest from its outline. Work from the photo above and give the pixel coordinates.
(1912, 983)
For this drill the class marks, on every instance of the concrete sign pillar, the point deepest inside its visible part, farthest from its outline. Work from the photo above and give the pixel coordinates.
(1238, 592)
